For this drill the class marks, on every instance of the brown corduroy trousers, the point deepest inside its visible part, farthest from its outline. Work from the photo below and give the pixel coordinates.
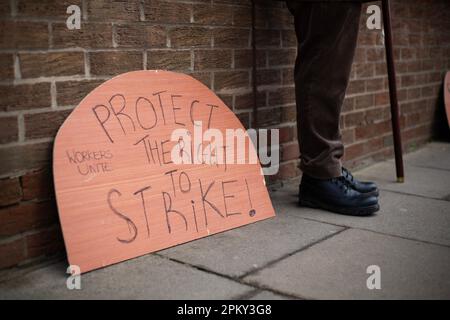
(327, 34)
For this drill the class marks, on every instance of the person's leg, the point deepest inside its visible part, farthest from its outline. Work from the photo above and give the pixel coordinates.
(327, 34)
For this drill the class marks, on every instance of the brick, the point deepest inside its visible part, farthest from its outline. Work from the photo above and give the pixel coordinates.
(428, 91)
(44, 243)
(27, 216)
(12, 253)
(356, 86)
(415, 133)
(266, 38)
(377, 114)
(231, 37)
(242, 17)
(90, 35)
(288, 76)
(380, 69)
(286, 134)
(167, 12)
(34, 65)
(353, 151)
(25, 96)
(268, 117)
(416, 66)
(348, 136)
(113, 63)
(139, 35)
(246, 100)
(11, 191)
(427, 65)
(364, 101)
(37, 185)
(70, 93)
(24, 35)
(45, 124)
(117, 10)
(412, 120)
(10, 130)
(279, 19)
(288, 38)
(237, 2)
(372, 130)
(364, 70)
(286, 171)
(348, 104)
(45, 8)
(212, 59)
(24, 157)
(381, 98)
(280, 57)
(354, 119)
(231, 80)
(169, 60)
(375, 54)
(216, 15)
(408, 80)
(282, 96)
(375, 84)
(407, 53)
(193, 37)
(289, 114)
(414, 93)
(244, 118)
(6, 66)
(5, 9)
(243, 58)
(203, 77)
(268, 77)
(360, 55)
(227, 99)
(369, 38)
(290, 152)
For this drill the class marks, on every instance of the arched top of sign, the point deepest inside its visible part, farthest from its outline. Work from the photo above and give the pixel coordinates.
(447, 96)
(146, 161)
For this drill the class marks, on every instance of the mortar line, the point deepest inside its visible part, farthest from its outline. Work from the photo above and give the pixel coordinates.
(377, 232)
(275, 261)
(413, 195)
(231, 278)
(248, 295)
(428, 167)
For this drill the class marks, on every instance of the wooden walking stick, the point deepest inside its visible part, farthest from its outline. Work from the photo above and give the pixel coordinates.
(395, 119)
(254, 123)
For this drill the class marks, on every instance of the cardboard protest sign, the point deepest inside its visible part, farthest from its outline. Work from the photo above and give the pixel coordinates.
(447, 96)
(131, 177)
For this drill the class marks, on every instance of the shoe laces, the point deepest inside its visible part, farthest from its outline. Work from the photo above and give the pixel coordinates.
(347, 174)
(342, 183)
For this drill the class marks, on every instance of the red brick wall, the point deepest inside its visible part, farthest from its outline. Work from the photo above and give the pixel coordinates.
(45, 70)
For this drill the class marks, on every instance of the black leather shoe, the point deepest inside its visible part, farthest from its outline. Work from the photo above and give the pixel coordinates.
(336, 195)
(369, 188)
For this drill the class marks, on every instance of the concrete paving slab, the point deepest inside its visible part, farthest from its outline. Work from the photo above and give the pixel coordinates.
(434, 155)
(241, 250)
(402, 215)
(267, 295)
(336, 269)
(146, 277)
(427, 182)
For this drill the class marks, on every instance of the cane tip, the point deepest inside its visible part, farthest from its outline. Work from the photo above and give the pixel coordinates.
(400, 179)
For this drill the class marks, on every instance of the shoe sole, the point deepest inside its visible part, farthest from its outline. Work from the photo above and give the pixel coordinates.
(358, 211)
(374, 193)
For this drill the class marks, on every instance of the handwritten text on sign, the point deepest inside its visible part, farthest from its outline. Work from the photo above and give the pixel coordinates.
(120, 193)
